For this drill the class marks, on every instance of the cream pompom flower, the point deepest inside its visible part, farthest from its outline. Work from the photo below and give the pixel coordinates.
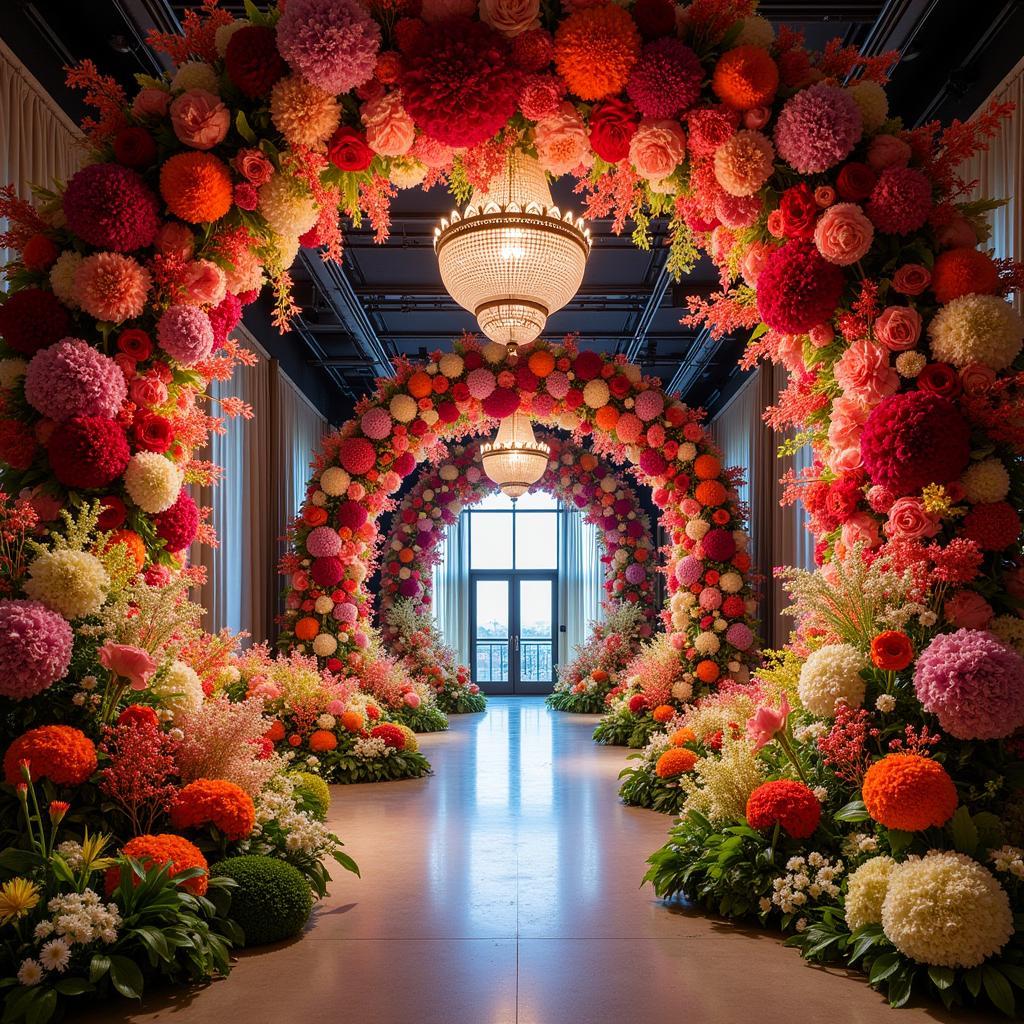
(73, 583)
(153, 482)
(179, 688)
(977, 329)
(832, 675)
(866, 889)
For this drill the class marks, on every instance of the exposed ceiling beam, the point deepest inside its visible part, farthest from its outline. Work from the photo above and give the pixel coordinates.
(649, 311)
(702, 351)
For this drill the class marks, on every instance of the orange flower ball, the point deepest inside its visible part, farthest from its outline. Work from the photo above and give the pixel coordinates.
(196, 187)
(663, 713)
(745, 77)
(909, 792)
(676, 761)
(710, 493)
(156, 851)
(132, 543)
(276, 732)
(406, 555)
(352, 720)
(588, 462)
(606, 417)
(60, 753)
(420, 385)
(306, 628)
(595, 50)
(541, 363)
(322, 740)
(599, 675)
(960, 272)
(217, 802)
(707, 467)
(707, 671)
(683, 736)
(642, 554)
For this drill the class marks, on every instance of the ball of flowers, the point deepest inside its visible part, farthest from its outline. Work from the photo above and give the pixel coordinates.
(798, 288)
(35, 648)
(500, 403)
(357, 456)
(993, 526)
(390, 734)
(111, 207)
(332, 43)
(740, 636)
(334, 481)
(323, 542)
(872, 102)
(900, 201)
(403, 408)
(909, 792)
(73, 583)
(65, 756)
(111, 287)
(790, 805)
(666, 79)
(971, 682)
(271, 900)
(946, 910)
(324, 645)
(866, 889)
(156, 851)
(649, 405)
(185, 333)
(961, 271)
(322, 740)
(596, 394)
(977, 329)
(217, 802)
(985, 481)
(196, 187)
(252, 60)
(744, 162)
(817, 128)
(913, 439)
(179, 688)
(31, 319)
(87, 451)
(674, 762)
(745, 77)
(152, 481)
(72, 378)
(287, 206)
(832, 675)
(177, 526)
(595, 51)
(375, 423)
(719, 545)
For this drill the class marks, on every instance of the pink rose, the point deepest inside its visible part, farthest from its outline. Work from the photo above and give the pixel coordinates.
(412, 699)
(822, 335)
(848, 419)
(151, 103)
(959, 233)
(967, 609)
(888, 151)
(756, 118)
(898, 328)
(843, 234)
(863, 372)
(657, 148)
(562, 140)
(909, 520)
(148, 392)
(824, 195)
(200, 119)
(791, 353)
(880, 498)
(860, 528)
(174, 239)
(911, 279)
(844, 461)
(754, 261)
(389, 129)
(976, 378)
(254, 166)
(776, 224)
(131, 663)
(510, 17)
(205, 283)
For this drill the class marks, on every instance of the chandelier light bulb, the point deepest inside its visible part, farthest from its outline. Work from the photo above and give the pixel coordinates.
(515, 460)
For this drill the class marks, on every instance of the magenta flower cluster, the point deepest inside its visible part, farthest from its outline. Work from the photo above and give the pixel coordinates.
(72, 378)
(35, 648)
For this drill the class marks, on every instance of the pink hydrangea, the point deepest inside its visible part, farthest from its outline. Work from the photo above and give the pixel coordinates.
(35, 648)
(185, 333)
(689, 570)
(635, 574)
(480, 382)
(72, 378)
(557, 384)
(817, 128)
(376, 423)
(323, 542)
(971, 682)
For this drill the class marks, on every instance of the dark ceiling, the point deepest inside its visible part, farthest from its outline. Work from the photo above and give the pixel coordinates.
(388, 299)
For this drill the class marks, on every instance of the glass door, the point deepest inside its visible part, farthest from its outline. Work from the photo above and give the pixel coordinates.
(535, 636)
(491, 633)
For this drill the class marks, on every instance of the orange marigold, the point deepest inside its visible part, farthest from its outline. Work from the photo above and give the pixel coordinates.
(683, 736)
(909, 792)
(216, 802)
(165, 848)
(64, 755)
(541, 363)
(710, 493)
(322, 740)
(676, 761)
(707, 467)
(276, 731)
(196, 187)
(595, 50)
(133, 544)
(306, 628)
(352, 720)
(745, 77)
(707, 671)
(663, 713)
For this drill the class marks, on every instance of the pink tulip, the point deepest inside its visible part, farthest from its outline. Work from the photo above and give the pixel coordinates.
(131, 663)
(766, 722)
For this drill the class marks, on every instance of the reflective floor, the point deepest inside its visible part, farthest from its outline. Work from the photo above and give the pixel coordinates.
(505, 889)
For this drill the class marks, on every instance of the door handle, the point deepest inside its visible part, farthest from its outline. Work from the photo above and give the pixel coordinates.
(515, 643)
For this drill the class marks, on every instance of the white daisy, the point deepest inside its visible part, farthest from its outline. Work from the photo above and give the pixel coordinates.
(55, 955)
(30, 973)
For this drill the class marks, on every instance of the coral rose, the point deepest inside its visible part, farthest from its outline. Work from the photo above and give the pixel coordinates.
(510, 17)
(200, 120)
(909, 520)
(898, 328)
(892, 651)
(389, 129)
(843, 234)
(657, 148)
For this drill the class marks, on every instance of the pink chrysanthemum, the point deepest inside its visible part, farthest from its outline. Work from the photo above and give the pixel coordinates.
(541, 96)
(666, 80)
(901, 201)
(709, 127)
(35, 648)
(817, 128)
(111, 207)
(178, 525)
(744, 163)
(737, 212)
(323, 542)
(971, 682)
(481, 383)
(111, 287)
(72, 378)
(332, 43)
(185, 333)
(797, 289)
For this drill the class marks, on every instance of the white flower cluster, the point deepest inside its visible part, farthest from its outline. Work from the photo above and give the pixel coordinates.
(829, 676)
(806, 881)
(656, 746)
(370, 746)
(303, 833)
(1008, 860)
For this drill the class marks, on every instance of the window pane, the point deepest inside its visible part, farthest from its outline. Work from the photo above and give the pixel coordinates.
(542, 500)
(490, 540)
(491, 631)
(497, 501)
(535, 628)
(536, 540)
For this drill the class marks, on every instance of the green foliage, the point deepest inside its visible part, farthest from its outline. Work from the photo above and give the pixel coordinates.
(641, 787)
(343, 767)
(271, 900)
(426, 718)
(591, 703)
(461, 701)
(615, 729)
(312, 794)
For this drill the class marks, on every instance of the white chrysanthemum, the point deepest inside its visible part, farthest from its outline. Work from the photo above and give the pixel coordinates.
(872, 102)
(324, 645)
(451, 365)
(179, 689)
(287, 206)
(730, 582)
(334, 481)
(11, 371)
(73, 583)
(631, 372)
(448, 472)
(403, 408)
(319, 498)
(62, 277)
(407, 173)
(832, 674)
(223, 35)
(986, 481)
(568, 419)
(706, 643)
(977, 329)
(152, 481)
(947, 910)
(910, 364)
(323, 605)
(682, 690)
(755, 31)
(687, 452)
(867, 887)
(494, 353)
(697, 528)
(596, 393)
(195, 74)
(1009, 629)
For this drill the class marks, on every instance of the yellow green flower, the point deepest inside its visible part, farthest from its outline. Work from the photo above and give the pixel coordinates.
(17, 897)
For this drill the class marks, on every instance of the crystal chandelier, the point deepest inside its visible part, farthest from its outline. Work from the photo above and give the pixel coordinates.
(515, 459)
(512, 258)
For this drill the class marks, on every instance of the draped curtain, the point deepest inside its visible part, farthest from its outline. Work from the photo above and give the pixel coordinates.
(580, 578)
(451, 589)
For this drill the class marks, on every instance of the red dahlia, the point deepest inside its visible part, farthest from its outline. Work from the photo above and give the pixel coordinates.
(993, 526)
(798, 288)
(252, 61)
(32, 319)
(88, 452)
(786, 803)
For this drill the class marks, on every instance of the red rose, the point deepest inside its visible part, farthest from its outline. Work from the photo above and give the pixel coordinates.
(460, 392)
(612, 126)
(939, 379)
(112, 513)
(855, 181)
(347, 150)
(152, 433)
(135, 343)
(619, 386)
(134, 147)
(799, 211)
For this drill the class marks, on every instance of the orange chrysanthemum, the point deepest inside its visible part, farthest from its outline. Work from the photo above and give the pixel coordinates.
(710, 493)
(683, 736)
(133, 545)
(276, 731)
(676, 761)
(707, 671)
(541, 363)
(196, 187)
(322, 740)
(306, 628)
(595, 50)
(216, 802)
(165, 848)
(745, 77)
(707, 467)
(663, 713)
(909, 792)
(59, 753)
(352, 720)
(606, 417)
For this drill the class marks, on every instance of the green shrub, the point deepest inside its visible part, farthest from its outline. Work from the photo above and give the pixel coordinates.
(313, 794)
(272, 901)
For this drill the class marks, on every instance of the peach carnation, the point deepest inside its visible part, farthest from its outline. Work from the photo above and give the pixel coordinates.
(302, 113)
(562, 141)
(111, 287)
(744, 163)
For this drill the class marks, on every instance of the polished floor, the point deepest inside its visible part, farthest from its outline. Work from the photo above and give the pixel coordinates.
(505, 889)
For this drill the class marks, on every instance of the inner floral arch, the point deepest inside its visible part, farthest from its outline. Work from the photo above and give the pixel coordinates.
(575, 476)
(628, 418)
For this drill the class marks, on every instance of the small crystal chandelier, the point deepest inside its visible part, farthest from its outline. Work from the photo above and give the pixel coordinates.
(515, 459)
(512, 258)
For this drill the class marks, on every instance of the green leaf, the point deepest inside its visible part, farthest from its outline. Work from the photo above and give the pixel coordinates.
(964, 831)
(853, 811)
(899, 988)
(899, 841)
(883, 967)
(42, 1007)
(73, 986)
(998, 989)
(243, 128)
(126, 977)
(98, 966)
(972, 979)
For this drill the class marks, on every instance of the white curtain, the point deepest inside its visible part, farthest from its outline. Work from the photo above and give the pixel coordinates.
(451, 589)
(39, 143)
(580, 578)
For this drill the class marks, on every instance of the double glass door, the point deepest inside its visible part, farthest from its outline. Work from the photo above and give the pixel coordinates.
(513, 627)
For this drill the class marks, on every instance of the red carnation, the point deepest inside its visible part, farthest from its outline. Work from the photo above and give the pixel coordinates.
(32, 319)
(17, 444)
(224, 318)
(855, 181)
(637, 703)
(533, 49)
(327, 572)
(786, 803)
(134, 147)
(709, 127)
(612, 126)
(348, 151)
(390, 734)
(799, 211)
(252, 61)
(992, 526)
(178, 524)
(798, 288)
(666, 79)
(138, 714)
(88, 452)
(588, 365)
(351, 514)
(900, 201)
(111, 207)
